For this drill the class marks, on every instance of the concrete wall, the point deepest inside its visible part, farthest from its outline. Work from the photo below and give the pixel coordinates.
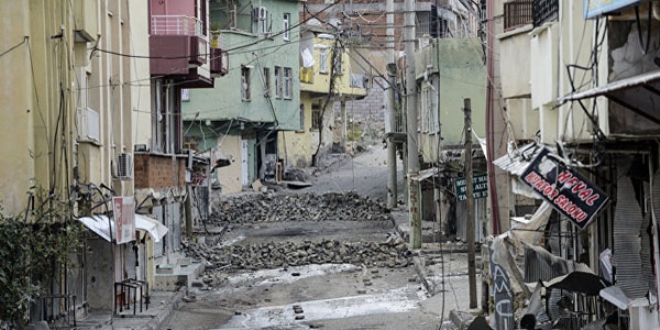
(19, 107)
(224, 102)
(462, 75)
(141, 102)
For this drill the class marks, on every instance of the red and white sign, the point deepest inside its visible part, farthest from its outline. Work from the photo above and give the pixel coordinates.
(123, 209)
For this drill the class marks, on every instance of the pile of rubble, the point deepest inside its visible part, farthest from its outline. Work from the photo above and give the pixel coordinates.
(394, 254)
(298, 207)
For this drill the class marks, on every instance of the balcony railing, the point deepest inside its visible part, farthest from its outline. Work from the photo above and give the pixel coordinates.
(517, 13)
(544, 11)
(176, 25)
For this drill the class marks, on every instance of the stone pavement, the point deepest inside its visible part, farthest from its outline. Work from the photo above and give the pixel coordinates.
(161, 306)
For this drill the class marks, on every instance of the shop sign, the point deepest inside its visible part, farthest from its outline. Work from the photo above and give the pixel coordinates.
(123, 210)
(568, 191)
(479, 187)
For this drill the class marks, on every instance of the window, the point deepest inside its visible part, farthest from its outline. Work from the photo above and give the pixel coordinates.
(302, 118)
(286, 34)
(288, 83)
(185, 94)
(278, 82)
(266, 82)
(323, 60)
(245, 83)
(338, 69)
(316, 117)
(166, 126)
(430, 123)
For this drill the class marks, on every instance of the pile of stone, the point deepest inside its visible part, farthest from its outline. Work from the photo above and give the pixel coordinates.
(394, 254)
(298, 207)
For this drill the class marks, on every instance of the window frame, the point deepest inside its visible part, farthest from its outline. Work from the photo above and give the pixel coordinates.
(323, 60)
(287, 84)
(266, 77)
(245, 84)
(286, 24)
(278, 82)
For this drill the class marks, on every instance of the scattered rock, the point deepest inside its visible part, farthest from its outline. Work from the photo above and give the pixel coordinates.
(361, 291)
(299, 207)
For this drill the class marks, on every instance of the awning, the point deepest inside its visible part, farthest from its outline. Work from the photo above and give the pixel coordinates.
(517, 164)
(102, 225)
(640, 93)
(156, 229)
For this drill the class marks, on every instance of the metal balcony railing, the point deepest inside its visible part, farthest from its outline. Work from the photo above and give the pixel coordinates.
(517, 13)
(544, 11)
(176, 25)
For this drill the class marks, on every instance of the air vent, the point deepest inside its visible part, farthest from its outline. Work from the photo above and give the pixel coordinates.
(125, 166)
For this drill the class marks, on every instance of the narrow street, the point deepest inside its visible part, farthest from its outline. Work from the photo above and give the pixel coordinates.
(312, 260)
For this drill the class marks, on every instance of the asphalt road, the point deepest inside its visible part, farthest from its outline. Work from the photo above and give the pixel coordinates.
(337, 296)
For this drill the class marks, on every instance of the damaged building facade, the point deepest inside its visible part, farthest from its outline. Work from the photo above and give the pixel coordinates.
(579, 82)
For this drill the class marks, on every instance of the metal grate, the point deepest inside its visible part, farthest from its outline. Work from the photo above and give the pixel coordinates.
(517, 13)
(544, 11)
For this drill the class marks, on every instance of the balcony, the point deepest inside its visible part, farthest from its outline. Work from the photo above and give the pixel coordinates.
(517, 13)
(544, 11)
(180, 47)
(176, 25)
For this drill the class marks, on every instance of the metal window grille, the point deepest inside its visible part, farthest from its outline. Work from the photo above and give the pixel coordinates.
(517, 13)
(544, 11)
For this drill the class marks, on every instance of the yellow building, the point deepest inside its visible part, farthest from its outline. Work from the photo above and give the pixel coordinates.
(324, 80)
(71, 94)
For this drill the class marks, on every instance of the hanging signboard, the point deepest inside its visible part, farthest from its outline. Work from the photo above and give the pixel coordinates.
(479, 187)
(597, 8)
(123, 210)
(568, 191)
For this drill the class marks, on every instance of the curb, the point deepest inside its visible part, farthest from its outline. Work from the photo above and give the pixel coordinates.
(162, 316)
(422, 273)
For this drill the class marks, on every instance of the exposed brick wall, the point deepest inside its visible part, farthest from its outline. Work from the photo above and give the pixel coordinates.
(159, 171)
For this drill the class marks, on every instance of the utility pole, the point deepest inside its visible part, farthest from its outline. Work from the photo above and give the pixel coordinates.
(391, 74)
(411, 109)
(391, 145)
(469, 205)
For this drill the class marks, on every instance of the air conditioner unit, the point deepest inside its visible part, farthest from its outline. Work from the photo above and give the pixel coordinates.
(124, 166)
(263, 13)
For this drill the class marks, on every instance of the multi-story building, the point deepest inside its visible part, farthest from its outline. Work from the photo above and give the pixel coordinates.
(448, 71)
(579, 79)
(71, 75)
(258, 97)
(101, 119)
(328, 75)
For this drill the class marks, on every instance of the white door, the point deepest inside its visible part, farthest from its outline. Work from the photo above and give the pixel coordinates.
(244, 162)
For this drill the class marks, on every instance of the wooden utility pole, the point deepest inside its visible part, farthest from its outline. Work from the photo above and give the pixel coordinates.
(469, 205)
(411, 132)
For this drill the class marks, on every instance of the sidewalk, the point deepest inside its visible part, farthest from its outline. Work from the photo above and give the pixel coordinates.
(161, 306)
(442, 269)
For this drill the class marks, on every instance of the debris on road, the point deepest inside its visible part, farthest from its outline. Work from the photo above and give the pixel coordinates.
(283, 254)
(298, 207)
